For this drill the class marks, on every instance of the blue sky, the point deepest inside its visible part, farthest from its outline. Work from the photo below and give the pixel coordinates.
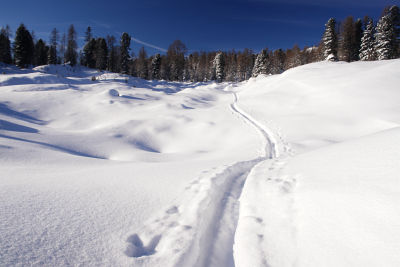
(201, 25)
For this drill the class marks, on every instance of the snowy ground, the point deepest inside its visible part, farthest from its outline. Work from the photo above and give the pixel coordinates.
(298, 169)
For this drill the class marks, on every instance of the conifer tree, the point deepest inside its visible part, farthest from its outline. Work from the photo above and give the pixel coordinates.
(70, 54)
(88, 34)
(367, 50)
(395, 16)
(23, 47)
(101, 54)
(385, 38)
(156, 64)
(329, 41)
(89, 54)
(125, 47)
(219, 66)
(5, 47)
(261, 63)
(40, 55)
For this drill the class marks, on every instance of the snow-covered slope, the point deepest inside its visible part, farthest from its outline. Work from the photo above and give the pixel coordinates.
(294, 169)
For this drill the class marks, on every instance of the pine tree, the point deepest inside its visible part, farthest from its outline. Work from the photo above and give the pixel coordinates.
(125, 47)
(367, 50)
(70, 54)
(5, 47)
(385, 38)
(88, 34)
(395, 16)
(101, 54)
(329, 41)
(156, 64)
(23, 47)
(219, 66)
(261, 63)
(40, 55)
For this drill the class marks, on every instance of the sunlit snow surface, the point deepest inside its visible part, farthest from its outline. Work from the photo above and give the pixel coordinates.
(298, 169)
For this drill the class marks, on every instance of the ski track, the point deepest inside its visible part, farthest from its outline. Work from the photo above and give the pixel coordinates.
(201, 232)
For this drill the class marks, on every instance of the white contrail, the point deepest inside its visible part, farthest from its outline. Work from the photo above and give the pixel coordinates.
(149, 45)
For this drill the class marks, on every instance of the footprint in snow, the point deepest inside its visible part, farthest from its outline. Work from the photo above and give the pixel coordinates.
(136, 248)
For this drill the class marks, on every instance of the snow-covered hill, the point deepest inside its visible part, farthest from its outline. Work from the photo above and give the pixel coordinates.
(294, 169)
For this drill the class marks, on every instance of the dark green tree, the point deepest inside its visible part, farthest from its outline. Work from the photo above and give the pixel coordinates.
(124, 53)
(101, 54)
(176, 59)
(5, 47)
(71, 55)
(156, 64)
(23, 47)
(89, 54)
(40, 55)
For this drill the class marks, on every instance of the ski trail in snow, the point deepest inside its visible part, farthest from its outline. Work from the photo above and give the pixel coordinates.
(201, 231)
(270, 148)
(215, 245)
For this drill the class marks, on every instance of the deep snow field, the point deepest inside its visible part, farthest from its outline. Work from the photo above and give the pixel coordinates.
(297, 169)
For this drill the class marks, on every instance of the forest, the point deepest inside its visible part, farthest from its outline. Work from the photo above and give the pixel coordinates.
(348, 40)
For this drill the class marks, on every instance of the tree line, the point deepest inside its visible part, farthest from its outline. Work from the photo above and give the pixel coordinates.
(350, 40)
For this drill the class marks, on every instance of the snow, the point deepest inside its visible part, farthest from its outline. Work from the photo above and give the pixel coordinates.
(297, 169)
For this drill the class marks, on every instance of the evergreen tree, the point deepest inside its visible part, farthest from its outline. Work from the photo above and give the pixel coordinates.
(5, 47)
(367, 50)
(23, 47)
(385, 38)
(219, 66)
(71, 55)
(89, 54)
(125, 47)
(141, 64)
(329, 41)
(395, 16)
(40, 55)
(261, 63)
(88, 34)
(101, 54)
(156, 65)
